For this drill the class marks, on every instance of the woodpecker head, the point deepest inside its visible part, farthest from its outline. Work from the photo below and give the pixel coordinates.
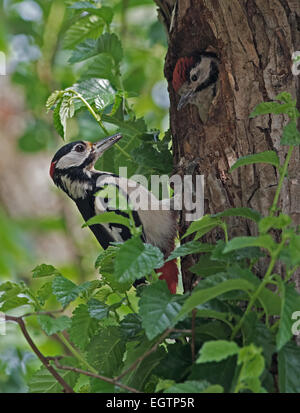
(73, 165)
(194, 75)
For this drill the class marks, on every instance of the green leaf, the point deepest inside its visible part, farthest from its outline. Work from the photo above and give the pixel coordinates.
(275, 108)
(204, 295)
(95, 90)
(42, 381)
(44, 292)
(205, 266)
(291, 134)
(217, 351)
(87, 27)
(101, 67)
(53, 325)
(263, 241)
(110, 44)
(97, 309)
(66, 291)
(108, 217)
(288, 368)
(203, 225)
(13, 302)
(240, 212)
(192, 247)
(280, 222)
(44, 270)
(105, 12)
(158, 308)
(84, 51)
(83, 326)
(269, 157)
(131, 327)
(57, 121)
(290, 304)
(53, 99)
(194, 387)
(106, 351)
(135, 260)
(66, 111)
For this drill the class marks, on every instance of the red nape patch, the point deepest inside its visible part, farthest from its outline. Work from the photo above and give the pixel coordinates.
(169, 273)
(52, 168)
(181, 71)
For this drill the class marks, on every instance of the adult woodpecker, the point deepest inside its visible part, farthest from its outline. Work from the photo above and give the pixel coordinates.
(195, 80)
(72, 170)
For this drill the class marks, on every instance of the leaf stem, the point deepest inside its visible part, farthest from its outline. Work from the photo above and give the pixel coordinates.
(90, 109)
(76, 353)
(263, 283)
(280, 183)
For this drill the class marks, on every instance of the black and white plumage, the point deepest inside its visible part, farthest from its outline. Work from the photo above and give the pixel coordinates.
(195, 79)
(72, 170)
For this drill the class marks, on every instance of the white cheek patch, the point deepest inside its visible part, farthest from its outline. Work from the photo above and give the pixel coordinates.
(72, 158)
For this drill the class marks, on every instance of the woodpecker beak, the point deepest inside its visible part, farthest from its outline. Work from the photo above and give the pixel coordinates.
(101, 146)
(185, 99)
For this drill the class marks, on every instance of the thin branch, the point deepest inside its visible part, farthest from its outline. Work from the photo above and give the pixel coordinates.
(43, 359)
(97, 376)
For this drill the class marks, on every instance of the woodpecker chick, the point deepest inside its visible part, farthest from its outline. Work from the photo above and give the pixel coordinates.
(72, 170)
(195, 80)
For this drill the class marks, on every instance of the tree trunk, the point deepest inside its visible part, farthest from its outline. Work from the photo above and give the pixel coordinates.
(254, 40)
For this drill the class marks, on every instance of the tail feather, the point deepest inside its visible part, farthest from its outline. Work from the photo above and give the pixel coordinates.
(169, 273)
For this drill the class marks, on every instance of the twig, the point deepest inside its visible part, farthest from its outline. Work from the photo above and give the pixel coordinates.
(143, 356)
(97, 376)
(44, 360)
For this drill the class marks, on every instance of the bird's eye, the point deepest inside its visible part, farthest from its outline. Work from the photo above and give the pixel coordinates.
(79, 148)
(194, 78)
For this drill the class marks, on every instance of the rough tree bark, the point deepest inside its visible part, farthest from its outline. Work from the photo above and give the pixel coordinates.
(254, 40)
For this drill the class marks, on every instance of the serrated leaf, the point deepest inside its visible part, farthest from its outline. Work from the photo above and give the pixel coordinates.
(66, 291)
(42, 381)
(288, 368)
(101, 67)
(275, 108)
(66, 111)
(44, 270)
(217, 351)
(82, 326)
(13, 302)
(87, 27)
(291, 134)
(97, 309)
(84, 51)
(106, 350)
(44, 292)
(110, 44)
(191, 386)
(158, 308)
(240, 212)
(135, 260)
(53, 98)
(57, 121)
(131, 327)
(53, 325)
(269, 157)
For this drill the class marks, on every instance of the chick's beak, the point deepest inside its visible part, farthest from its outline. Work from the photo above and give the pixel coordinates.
(101, 146)
(185, 99)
